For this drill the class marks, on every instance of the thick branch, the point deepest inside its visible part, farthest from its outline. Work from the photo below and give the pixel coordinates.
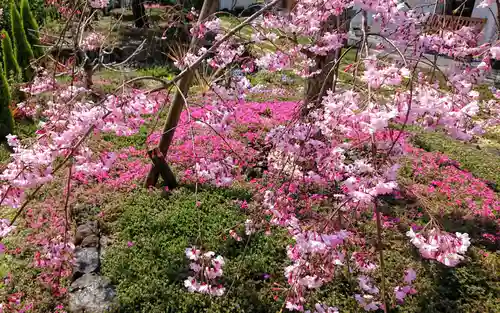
(175, 111)
(185, 79)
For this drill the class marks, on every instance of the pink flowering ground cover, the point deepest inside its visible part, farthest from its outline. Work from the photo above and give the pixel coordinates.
(222, 142)
(324, 209)
(434, 185)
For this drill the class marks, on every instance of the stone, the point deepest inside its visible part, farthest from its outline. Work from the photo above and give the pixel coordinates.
(104, 242)
(92, 293)
(87, 260)
(85, 230)
(90, 241)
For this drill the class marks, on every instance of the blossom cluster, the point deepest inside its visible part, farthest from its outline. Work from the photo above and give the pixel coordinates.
(5, 227)
(402, 292)
(444, 247)
(305, 272)
(42, 83)
(98, 4)
(368, 300)
(92, 41)
(59, 135)
(207, 269)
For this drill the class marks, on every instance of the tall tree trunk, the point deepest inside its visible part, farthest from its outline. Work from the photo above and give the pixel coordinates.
(160, 167)
(317, 85)
(139, 12)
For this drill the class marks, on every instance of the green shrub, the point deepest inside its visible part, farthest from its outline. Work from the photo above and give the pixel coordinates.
(6, 119)
(150, 274)
(9, 56)
(5, 17)
(31, 28)
(24, 51)
(156, 71)
(40, 10)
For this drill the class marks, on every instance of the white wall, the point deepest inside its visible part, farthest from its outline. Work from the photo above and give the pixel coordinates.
(489, 30)
(357, 20)
(228, 4)
(427, 6)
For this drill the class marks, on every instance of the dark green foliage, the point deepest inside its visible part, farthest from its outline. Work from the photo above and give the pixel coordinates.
(6, 119)
(150, 274)
(479, 161)
(40, 10)
(31, 28)
(5, 18)
(9, 56)
(24, 51)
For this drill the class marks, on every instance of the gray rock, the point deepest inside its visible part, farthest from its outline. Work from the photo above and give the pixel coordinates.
(90, 241)
(92, 293)
(87, 260)
(104, 243)
(85, 230)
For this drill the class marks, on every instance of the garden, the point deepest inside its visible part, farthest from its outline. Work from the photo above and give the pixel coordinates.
(174, 157)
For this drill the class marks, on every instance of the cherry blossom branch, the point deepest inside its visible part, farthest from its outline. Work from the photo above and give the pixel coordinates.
(66, 213)
(212, 49)
(31, 196)
(187, 75)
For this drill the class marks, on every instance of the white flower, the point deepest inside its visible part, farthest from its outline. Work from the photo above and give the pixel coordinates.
(249, 227)
(219, 260)
(311, 282)
(191, 284)
(192, 253)
(195, 267)
(209, 254)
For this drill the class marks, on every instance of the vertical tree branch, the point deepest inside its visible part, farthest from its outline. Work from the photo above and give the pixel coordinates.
(175, 111)
(185, 79)
(380, 248)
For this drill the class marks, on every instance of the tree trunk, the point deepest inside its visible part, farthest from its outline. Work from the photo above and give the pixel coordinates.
(317, 85)
(314, 90)
(139, 12)
(160, 167)
(86, 60)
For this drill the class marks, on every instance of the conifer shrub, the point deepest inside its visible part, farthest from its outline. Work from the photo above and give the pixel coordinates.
(31, 28)
(6, 119)
(10, 64)
(24, 51)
